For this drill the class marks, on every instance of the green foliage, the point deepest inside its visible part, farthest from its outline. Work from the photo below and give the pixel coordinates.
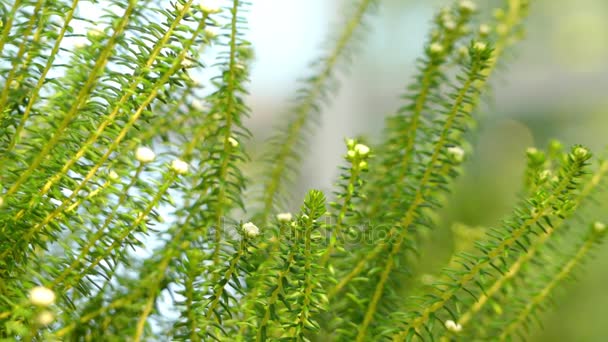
(103, 239)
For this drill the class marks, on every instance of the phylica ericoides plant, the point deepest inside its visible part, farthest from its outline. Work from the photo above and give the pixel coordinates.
(123, 214)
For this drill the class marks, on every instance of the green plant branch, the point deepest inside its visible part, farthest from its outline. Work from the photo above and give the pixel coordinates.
(409, 216)
(543, 294)
(303, 109)
(21, 51)
(532, 250)
(175, 66)
(9, 24)
(428, 80)
(41, 80)
(230, 111)
(80, 98)
(92, 241)
(542, 211)
(128, 93)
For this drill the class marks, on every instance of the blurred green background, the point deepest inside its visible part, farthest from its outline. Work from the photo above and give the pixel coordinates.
(554, 84)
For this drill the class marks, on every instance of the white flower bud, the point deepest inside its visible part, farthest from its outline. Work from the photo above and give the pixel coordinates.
(144, 155)
(233, 142)
(484, 29)
(284, 217)
(113, 175)
(463, 51)
(480, 46)
(95, 33)
(449, 25)
(251, 230)
(599, 227)
(361, 150)
(436, 48)
(453, 326)
(544, 175)
(212, 31)
(42, 296)
(198, 105)
(456, 153)
(187, 63)
(179, 166)
(531, 150)
(45, 318)
(210, 6)
(467, 6)
(581, 152)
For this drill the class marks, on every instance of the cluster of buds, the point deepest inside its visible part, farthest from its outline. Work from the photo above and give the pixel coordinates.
(357, 154)
(453, 326)
(43, 297)
(145, 155)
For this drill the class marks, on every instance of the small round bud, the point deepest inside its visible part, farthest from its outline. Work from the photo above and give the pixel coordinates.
(534, 153)
(212, 32)
(599, 227)
(42, 296)
(95, 33)
(555, 145)
(436, 48)
(179, 166)
(79, 45)
(45, 318)
(484, 29)
(363, 165)
(113, 175)
(350, 154)
(233, 142)
(187, 63)
(144, 155)
(544, 175)
(502, 29)
(449, 24)
(284, 217)
(251, 230)
(453, 326)
(580, 152)
(480, 46)
(499, 13)
(456, 153)
(210, 6)
(361, 150)
(467, 6)
(463, 52)
(350, 143)
(198, 105)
